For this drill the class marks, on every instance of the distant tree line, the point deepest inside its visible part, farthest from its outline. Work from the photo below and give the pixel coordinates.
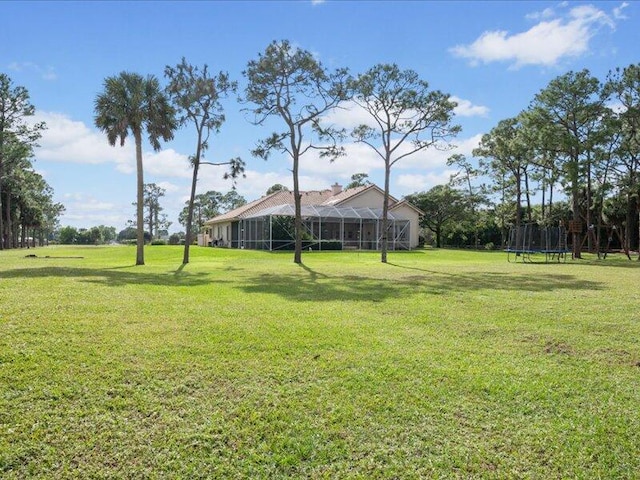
(28, 214)
(579, 136)
(99, 235)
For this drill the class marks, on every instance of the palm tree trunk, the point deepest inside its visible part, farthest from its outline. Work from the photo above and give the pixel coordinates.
(140, 195)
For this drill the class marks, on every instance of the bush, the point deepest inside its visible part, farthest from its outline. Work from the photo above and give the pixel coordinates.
(158, 242)
(174, 239)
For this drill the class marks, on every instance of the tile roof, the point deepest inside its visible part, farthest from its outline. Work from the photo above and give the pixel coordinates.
(313, 197)
(353, 192)
(281, 197)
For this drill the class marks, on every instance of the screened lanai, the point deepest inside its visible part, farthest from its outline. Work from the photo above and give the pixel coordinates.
(325, 227)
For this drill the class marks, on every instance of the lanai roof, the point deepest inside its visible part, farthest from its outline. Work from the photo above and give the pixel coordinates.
(285, 198)
(326, 211)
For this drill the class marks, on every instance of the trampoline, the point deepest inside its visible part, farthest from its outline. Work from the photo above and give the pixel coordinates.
(528, 241)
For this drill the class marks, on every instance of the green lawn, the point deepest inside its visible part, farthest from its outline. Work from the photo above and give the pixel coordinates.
(441, 364)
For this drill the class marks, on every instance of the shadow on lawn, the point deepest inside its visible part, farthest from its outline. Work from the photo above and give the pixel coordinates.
(115, 277)
(316, 286)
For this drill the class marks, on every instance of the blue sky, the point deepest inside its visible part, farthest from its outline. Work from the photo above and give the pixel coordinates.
(493, 57)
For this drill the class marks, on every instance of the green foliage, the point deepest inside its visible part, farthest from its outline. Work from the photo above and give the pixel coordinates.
(153, 218)
(25, 198)
(132, 103)
(358, 180)
(197, 96)
(443, 207)
(404, 113)
(131, 233)
(67, 235)
(290, 84)
(174, 239)
(243, 365)
(276, 188)
(92, 236)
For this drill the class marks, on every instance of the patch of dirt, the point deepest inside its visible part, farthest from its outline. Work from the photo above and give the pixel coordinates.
(558, 348)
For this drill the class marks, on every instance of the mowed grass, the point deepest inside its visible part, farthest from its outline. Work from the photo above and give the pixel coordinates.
(440, 364)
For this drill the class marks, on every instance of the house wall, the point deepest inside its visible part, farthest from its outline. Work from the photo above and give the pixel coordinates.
(410, 214)
(204, 239)
(371, 198)
(220, 232)
(374, 199)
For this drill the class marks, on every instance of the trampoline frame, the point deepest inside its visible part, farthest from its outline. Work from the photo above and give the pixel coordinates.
(531, 239)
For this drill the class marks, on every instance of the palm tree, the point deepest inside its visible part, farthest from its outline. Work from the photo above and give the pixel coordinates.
(132, 103)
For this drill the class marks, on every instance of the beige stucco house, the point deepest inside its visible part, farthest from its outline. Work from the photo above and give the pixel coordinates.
(333, 219)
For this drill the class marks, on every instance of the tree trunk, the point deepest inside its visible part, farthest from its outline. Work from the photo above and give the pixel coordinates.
(638, 212)
(7, 226)
(527, 196)
(192, 198)
(385, 212)
(140, 195)
(589, 242)
(576, 236)
(542, 203)
(551, 184)
(150, 219)
(297, 200)
(3, 243)
(518, 180)
(1, 215)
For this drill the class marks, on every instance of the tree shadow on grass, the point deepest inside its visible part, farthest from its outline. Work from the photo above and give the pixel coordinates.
(317, 286)
(312, 285)
(114, 277)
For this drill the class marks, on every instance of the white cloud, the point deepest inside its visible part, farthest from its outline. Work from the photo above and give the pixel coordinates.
(617, 11)
(546, 43)
(411, 183)
(66, 140)
(47, 73)
(467, 109)
(167, 163)
(349, 116)
(617, 106)
(544, 14)
(84, 211)
(255, 184)
(169, 187)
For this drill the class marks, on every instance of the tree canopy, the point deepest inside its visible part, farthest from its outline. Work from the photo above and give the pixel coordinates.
(197, 96)
(289, 84)
(407, 117)
(131, 103)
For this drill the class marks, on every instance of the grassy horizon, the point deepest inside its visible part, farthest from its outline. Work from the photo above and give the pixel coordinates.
(242, 364)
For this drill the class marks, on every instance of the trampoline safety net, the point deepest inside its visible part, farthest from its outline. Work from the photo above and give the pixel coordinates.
(529, 239)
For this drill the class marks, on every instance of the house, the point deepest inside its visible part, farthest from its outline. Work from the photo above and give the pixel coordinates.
(332, 219)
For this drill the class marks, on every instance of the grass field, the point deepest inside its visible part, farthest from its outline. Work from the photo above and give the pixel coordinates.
(441, 364)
